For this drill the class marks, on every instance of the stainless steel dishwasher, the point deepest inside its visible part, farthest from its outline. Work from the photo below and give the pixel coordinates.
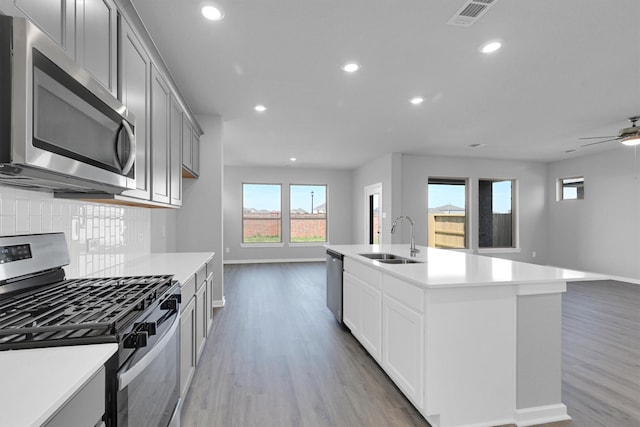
(334, 283)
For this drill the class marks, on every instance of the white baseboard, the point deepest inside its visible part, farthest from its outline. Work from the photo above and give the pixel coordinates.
(541, 415)
(218, 303)
(271, 261)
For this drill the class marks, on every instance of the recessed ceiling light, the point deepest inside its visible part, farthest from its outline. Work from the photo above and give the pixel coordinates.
(293, 159)
(490, 47)
(212, 12)
(476, 145)
(260, 108)
(417, 100)
(351, 67)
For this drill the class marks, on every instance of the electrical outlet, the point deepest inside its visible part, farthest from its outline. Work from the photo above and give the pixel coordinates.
(227, 250)
(533, 254)
(140, 237)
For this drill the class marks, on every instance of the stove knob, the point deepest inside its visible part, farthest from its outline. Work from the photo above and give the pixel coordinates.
(136, 340)
(149, 328)
(171, 303)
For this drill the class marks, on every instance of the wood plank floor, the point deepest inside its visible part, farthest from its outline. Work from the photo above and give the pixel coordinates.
(276, 357)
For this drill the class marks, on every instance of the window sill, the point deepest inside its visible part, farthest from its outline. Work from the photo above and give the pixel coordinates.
(499, 250)
(293, 245)
(261, 245)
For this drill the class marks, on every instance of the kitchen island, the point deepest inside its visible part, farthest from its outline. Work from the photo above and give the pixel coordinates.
(470, 340)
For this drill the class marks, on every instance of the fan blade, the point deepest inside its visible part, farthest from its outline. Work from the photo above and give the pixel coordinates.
(598, 137)
(600, 142)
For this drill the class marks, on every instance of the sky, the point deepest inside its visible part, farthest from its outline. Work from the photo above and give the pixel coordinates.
(267, 196)
(440, 195)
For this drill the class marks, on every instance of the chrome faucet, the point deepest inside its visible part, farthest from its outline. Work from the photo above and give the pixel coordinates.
(412, 242)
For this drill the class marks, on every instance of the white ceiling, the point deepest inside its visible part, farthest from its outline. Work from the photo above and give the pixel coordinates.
(567, 69)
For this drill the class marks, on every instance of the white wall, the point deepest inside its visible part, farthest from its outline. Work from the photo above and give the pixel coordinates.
(339, 209)
(199, 220)
(602, 232)
(122, 232)
(531, 177)
(387, 171)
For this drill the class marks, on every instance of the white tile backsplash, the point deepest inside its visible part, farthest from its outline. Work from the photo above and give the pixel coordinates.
(98, 236)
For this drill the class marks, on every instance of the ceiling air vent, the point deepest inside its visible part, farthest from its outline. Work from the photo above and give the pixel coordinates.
(470, 12)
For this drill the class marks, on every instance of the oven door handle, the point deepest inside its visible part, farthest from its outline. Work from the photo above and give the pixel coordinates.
(129, 375)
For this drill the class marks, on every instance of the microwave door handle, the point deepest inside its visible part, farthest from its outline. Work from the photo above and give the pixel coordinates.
(132, 148)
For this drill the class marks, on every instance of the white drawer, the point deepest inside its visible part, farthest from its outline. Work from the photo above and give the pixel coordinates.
(367, 274)
(409, 295)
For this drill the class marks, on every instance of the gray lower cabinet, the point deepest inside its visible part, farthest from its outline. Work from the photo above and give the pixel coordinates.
(85, 408)
(160, 102)
(187, 336)
(134, 89)
(195, 322)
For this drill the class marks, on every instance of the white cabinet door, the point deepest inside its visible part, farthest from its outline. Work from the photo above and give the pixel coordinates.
(175, 129)
(352, 303)
(160, 102)
(370, 329)
(187, 346)
(96, 40)
(135, 73)
(403, 352)
(201, 318)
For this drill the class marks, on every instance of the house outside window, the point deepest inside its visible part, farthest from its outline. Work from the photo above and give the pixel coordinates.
(308, 213)
(571, 188)
(496, 213)
(447, 214)
(261, 213)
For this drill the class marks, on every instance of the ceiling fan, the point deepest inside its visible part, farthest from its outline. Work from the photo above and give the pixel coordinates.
(627, 136)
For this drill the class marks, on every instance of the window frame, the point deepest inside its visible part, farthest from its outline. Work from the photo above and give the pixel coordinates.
(515, 225)
(467, 211)
(279, 243)
(326, 216)
(560, 186)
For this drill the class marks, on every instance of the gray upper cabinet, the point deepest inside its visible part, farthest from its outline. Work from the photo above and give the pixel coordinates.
(54, 17)
(134, 89)
(187, 134)
(96, 40)
(190, 149)
(175, 129)
(160, 102)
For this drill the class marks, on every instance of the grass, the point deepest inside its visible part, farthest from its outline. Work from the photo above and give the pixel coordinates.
(262, 239)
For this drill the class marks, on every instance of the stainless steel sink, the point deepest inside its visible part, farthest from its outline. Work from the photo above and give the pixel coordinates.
(399, 261)
(381, 256)
(389, 258)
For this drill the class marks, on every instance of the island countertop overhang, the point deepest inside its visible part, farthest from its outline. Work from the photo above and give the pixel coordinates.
(441, 268)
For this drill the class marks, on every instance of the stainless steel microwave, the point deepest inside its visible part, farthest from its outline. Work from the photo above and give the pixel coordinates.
(59, 128)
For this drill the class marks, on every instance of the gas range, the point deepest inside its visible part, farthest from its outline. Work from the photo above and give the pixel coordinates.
(39, 307)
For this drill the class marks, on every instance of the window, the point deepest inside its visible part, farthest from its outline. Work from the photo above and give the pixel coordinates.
(308, 213)
(571, 188)
(261, 213)
(495, 213)
(447, 222)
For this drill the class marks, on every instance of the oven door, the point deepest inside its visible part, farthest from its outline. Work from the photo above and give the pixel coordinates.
(149, 383)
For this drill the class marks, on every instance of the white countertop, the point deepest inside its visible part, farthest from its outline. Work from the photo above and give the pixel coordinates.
(34, 383)
(447, 268)
(181, 264)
